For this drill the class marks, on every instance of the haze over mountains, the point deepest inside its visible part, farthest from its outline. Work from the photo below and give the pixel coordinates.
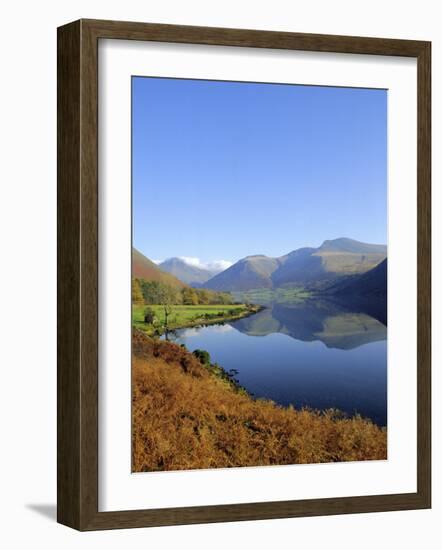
(339, 266)
(189, 273)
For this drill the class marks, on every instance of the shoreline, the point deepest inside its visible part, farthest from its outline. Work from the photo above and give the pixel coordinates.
(225, 426)
(218, 371)
(249, 310)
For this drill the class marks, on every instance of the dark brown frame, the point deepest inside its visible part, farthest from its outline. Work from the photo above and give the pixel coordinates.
(78, 269)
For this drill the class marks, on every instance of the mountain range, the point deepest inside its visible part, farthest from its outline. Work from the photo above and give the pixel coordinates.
(338, 267)
(310, 267)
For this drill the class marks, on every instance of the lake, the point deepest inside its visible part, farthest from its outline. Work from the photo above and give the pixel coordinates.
(314, 353)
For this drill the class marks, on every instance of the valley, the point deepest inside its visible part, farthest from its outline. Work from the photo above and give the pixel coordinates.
(259, 274)
(307, 329)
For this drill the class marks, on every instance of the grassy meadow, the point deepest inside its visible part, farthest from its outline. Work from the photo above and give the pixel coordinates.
(185, 415)
(189, 315)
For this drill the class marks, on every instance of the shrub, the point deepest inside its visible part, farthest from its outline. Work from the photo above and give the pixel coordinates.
(203, 356)
(149, 316)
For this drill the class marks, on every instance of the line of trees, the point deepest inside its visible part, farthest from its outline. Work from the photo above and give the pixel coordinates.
(156, 292)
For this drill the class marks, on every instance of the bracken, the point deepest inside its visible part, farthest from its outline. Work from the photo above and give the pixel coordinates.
(185, 417)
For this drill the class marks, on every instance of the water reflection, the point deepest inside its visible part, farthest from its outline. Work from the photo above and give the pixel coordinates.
(335, 326)
(315, 353)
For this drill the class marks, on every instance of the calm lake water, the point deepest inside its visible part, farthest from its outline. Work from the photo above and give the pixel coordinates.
(313, 354)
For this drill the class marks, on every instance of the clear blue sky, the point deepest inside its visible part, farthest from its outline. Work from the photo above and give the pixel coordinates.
(223, 170)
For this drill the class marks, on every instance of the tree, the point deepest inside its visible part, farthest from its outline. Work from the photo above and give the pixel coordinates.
(222, 298)
(137, 295)
(167, 312)
(155, 291)
(167, 297)
(151, 291)
(189, 296)
(149, 316)
(203, 296)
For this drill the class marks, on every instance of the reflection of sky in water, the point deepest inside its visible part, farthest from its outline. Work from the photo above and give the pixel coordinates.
(216, 329)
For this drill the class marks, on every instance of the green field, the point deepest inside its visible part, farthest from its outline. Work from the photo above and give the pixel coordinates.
(188, 316)
(268, 295)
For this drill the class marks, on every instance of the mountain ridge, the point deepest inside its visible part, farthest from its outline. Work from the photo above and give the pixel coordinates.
(304, 266)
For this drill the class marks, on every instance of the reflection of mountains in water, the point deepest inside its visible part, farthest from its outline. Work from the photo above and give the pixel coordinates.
(336, 325)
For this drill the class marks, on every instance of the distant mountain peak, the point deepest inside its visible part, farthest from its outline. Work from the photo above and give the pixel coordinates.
(339, 240)
(189, 272)
(254, 256)
(344, 244)
(171, 261)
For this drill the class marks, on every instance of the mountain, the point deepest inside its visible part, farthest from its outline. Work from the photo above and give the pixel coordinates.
(189, 274)
(373, 283)
(367, 292)
(310, 267)
(344, 245)
(299, 267)
(143, 268)
(249, 273)
(313, 266)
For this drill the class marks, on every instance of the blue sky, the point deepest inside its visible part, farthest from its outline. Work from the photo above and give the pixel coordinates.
(223, 170)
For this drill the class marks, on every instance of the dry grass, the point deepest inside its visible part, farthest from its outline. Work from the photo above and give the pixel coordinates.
(184, 417)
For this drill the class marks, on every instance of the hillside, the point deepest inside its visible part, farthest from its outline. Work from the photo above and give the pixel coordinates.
(143, 268)
(210, 423)
(372, 283)
(298, 268)
(332, 259)
(365, 292)
(249, 273)
(309, 267)
(189, 274)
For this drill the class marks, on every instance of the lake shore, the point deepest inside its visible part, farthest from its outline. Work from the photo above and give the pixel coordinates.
(193, 316)
(211, 423)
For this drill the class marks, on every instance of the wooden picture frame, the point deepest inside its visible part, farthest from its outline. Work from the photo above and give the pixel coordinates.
(78, 274)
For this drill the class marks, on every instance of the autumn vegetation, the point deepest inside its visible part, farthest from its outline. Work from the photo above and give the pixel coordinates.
(188, 413)
(158, 307)
(157, 292)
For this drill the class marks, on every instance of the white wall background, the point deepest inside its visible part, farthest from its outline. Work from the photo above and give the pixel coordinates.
(28, 270)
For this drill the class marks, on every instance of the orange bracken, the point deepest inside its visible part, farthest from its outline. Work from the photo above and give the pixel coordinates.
(185, 417)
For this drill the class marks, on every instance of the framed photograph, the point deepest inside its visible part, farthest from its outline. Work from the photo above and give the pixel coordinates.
(243, 274)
